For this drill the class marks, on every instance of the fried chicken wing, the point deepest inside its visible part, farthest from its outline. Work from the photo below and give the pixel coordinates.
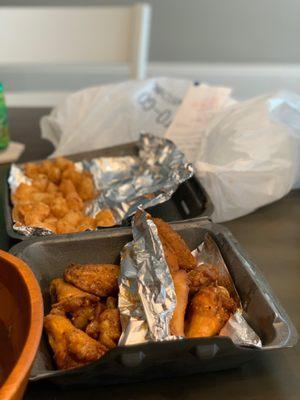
(72, 347)
(209, 311)
(106, 327)
(80, 306)
(61, 290)
(181, 286)
(201, 276)
(98, 279)
(174, 243)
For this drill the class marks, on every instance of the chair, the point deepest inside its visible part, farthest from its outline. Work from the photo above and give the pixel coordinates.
(76, 35)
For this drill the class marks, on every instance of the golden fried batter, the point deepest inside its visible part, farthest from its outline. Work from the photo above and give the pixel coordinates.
(71, 346)
(171, 260)
(106, 326)
(174, 243)
(181, 286)
(76, 303)
(209, 311)
(98, 279)
(60, 290)
(105, 218)
(201, 276)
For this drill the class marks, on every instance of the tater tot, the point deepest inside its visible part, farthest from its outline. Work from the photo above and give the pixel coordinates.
(38, 213)
(74, 201)
(86, 188)
(63, 163)
(87, 223)
(51, 188)
(45, 166)
(74, 217)
(41, 197)
(65, 227)
(73, 175)
(105, 218)
(54, 174)
(50, 223)
(67, 187)
(23, 192)
(40, 182)
(31, 170)
(59, 207)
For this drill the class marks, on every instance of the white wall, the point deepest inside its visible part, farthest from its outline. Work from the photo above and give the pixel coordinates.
(242, 31)
(251, 45)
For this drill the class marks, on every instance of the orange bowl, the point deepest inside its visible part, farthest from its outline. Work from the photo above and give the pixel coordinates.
(21, 323)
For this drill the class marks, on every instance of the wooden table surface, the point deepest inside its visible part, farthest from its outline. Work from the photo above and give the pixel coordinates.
(271, 236)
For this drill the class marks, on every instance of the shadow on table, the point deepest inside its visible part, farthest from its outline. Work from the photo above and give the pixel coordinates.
(264, 377)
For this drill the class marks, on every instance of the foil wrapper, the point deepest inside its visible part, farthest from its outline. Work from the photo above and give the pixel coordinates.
(127, 182)
(146, 291)
(147, 296)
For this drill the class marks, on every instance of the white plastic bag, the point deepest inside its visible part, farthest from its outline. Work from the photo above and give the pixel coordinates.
(246, 154)
(247, 157)
(108, 115)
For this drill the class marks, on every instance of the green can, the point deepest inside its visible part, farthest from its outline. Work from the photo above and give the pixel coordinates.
(4, 135)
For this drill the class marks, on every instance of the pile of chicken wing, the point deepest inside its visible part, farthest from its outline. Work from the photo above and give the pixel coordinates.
(56, 198)
(203, 304)
(84, 321)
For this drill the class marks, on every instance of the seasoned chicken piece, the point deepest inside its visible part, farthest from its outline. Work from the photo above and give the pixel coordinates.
(106, 327)
(181, 286)
(77, 304)
(201, 276)
(99, 279)
(174, 243)
(72, 348)
(171, 260)
(209, 311)
(60, 290)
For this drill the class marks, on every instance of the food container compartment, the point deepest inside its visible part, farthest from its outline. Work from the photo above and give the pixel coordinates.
(189, 201)
(49, 257)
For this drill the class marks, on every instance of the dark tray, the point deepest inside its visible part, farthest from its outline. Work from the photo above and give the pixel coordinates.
(189, 201)
(49, 257)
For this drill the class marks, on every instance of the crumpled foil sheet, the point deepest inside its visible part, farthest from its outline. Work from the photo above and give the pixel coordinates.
(146, 291)
(125, 182)
(147, 296)
(147, 180)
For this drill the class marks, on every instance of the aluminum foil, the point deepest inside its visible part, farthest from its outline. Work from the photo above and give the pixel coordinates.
(147, 180)
(127, 182)
(147, 296)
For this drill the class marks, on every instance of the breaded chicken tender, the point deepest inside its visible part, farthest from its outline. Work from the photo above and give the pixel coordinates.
(174, 243)
(98, 279)
(72, 347)
(181, 286)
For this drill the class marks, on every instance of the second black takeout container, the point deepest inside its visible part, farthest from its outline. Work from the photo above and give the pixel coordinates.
(189, 201)
(49, 257)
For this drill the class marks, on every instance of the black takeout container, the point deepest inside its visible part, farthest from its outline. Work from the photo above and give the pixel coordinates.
(189, 201)
(49, 257)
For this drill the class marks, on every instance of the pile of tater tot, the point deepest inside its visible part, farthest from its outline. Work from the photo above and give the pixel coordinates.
(56, 198)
